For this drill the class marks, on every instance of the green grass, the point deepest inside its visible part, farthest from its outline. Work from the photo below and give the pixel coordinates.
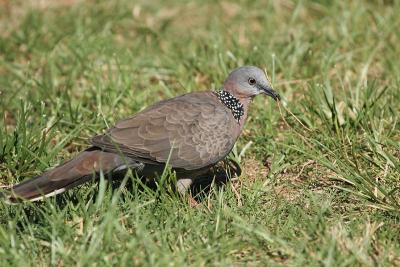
(318, 188)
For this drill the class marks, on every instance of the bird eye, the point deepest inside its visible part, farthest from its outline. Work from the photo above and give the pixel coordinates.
(252, 81)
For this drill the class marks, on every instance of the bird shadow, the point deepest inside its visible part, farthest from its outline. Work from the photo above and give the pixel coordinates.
(216, 176)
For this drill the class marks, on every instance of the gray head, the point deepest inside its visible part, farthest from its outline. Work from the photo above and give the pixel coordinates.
(247, 82)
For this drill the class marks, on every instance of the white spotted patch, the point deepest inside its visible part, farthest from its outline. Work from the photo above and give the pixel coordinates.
(232, 103)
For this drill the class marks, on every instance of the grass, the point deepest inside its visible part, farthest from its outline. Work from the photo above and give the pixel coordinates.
(321, 175)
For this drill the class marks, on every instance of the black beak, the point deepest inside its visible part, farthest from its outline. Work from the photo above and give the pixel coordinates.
(271, 92)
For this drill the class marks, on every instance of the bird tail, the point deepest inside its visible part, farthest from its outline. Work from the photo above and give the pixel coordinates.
(66, 176)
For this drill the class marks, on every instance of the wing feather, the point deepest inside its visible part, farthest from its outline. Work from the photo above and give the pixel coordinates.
(194, 130)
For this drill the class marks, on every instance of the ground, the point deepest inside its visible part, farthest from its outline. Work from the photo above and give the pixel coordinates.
(321, 169)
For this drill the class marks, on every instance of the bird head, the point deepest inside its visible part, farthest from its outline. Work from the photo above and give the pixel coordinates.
(249, 81)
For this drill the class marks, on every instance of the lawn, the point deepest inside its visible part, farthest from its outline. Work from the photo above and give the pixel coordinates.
(321, 170)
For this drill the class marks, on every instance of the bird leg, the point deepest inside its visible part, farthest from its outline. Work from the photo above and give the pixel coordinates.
(183, 186)
(220, 174)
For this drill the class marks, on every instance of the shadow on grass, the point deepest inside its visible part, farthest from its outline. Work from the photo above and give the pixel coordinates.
(216, 176)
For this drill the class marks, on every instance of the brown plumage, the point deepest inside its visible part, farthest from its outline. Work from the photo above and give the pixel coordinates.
(191, 132)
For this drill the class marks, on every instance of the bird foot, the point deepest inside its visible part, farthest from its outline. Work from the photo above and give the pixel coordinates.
(193, 202)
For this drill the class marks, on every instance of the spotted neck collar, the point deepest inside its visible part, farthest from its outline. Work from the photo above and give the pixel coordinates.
(232, 103)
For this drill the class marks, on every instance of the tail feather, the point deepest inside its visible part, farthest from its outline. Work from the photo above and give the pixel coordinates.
(68, 175)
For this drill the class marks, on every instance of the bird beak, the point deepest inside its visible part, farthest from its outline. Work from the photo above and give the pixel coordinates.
(271, 92)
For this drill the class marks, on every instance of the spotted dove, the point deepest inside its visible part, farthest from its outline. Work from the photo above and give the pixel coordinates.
(190, 133)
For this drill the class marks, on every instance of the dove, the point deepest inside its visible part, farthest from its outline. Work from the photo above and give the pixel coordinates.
(190, 133)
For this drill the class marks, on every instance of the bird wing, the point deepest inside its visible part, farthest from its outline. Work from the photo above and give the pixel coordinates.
(190, 132)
